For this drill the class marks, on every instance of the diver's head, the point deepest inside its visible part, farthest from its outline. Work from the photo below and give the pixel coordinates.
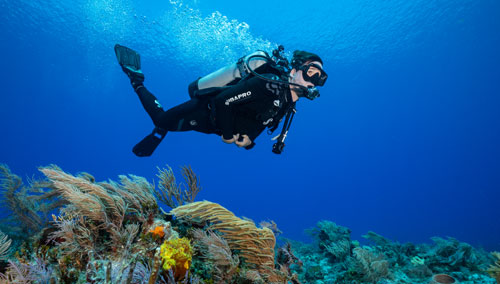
(307, 70)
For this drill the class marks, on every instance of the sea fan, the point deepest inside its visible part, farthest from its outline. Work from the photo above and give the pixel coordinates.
(335, 240)
(173, 194)
(19, 273)
(22, 208)
(452, 254)
(40, 271)
(4, 245)
(256, 245)
(142, 273)
(215, 249)
(373, 266)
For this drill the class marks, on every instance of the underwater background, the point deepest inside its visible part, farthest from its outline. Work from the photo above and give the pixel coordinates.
(404, 140)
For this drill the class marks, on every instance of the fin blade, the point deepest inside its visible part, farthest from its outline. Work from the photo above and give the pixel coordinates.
(127, 57)
(147, 146)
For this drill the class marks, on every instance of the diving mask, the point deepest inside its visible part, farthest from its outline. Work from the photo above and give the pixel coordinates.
(313, 73)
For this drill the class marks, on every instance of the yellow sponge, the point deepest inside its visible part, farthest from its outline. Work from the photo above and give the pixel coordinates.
(177, 255)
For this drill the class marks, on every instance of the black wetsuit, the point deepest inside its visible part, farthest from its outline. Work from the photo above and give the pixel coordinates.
(245, 108)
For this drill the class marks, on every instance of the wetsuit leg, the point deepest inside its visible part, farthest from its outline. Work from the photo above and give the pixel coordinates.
(150, 104)
(191, 115)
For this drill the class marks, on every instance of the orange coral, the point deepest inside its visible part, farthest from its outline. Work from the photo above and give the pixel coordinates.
(158, 231)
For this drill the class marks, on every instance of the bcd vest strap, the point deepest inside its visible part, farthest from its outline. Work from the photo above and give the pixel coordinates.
(242, 68)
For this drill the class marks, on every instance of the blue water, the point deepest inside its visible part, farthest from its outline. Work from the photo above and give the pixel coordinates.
(403, 141)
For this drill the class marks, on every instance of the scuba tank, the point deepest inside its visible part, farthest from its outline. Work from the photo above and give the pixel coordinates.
(228, 75)
(234, 72)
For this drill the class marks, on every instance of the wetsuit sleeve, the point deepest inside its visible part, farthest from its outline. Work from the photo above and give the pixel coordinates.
(225, 102)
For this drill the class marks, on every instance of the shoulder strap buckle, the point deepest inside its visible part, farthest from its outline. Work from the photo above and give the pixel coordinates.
(242, 67)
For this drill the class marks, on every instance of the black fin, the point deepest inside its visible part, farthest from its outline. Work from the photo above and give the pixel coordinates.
(130, 61)
(128, 57)
(148, 145)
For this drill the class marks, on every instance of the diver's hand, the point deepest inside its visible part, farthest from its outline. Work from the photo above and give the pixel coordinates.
(245, 142)
(230, 141)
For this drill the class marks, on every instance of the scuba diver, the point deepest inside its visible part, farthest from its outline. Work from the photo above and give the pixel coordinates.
(236, 102)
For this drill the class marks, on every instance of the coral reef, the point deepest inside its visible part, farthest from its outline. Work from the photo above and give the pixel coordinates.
(102, 232)
(450, 254)
(386, 261)
(115, 232)
(73, 229)
(336, 240)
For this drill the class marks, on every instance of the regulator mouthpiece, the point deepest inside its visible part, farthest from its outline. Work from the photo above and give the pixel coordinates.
(311, 93)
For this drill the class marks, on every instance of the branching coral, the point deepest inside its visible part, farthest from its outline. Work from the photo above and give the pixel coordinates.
(4, 245)
(494, 270)
(19, 273)
(450, 254)
(36, 271)
(104, 202)
(101, 217)
(74, 237)
(101, 205)
(215, 250)
(393, 251)
(28, 207)
(378, 239)
(285, 258)
(119, 270)
(173, 194)
(334, 239)
(372, 266)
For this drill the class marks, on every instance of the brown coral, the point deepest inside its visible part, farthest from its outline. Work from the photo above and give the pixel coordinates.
(104, 202)
(256, 246)
(494, 270)
(96, 207)
(216, 250)
(4, 245)
(27, 210)
(372, 266)
(173, 194)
